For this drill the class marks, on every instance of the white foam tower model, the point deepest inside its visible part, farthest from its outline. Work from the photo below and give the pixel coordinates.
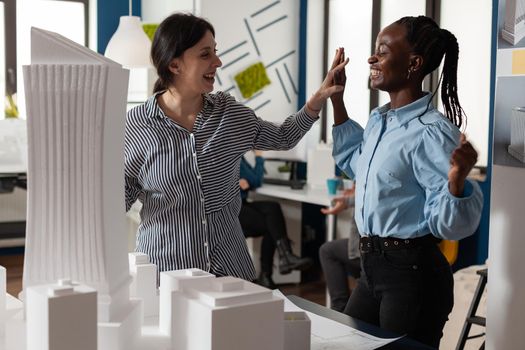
(76, 107)
(105, 298)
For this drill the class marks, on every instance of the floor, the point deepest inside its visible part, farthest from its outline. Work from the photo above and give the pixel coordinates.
(14, 265)
(313, 291)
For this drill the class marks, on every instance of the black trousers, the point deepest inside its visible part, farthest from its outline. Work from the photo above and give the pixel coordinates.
(263, 218)
(408, 291)
(336, 268)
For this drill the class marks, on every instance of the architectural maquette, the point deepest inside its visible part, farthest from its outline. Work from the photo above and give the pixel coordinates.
(81, 288)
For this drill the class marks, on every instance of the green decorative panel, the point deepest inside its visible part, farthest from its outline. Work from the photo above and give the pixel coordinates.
(252, 79)
(150, 29)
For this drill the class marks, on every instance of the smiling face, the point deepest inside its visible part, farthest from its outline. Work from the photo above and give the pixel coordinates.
(195, 70)
(390, 63)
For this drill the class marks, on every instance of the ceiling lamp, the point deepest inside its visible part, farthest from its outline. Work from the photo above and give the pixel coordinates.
(129, 46)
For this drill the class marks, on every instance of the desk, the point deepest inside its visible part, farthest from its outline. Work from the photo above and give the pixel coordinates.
(403, 343)
(291, 201)
(305, 195)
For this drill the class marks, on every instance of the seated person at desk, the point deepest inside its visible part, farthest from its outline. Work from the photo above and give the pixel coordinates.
(340, 258)
(265, 218)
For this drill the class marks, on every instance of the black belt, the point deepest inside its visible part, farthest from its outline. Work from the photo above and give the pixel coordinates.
(368, 244)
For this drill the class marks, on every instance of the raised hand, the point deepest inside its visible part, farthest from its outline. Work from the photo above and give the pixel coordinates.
(340, 75)
(462, 160)
(332, 84)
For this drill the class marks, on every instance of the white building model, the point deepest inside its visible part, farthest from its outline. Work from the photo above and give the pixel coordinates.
(517, 134)
(76, 103)
(514, 25)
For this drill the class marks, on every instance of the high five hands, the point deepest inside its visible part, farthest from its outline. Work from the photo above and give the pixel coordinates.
(333, 83)
(462, 160)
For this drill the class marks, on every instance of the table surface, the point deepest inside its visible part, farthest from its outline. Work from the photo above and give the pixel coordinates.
(402, 343)
(307, 194)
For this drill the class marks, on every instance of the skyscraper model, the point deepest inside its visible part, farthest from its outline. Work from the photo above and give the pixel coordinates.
(76, 106)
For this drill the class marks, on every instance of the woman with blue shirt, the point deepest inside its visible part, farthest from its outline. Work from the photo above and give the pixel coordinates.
(410, 166)
(183, 149)
(266, 219)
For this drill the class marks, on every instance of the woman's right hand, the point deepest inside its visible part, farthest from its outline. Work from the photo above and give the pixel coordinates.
(333, 83)
(244, 184)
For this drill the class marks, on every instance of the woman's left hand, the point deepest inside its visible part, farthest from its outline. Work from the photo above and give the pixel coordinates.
(339, 203)
(332, 84)
(462, 160)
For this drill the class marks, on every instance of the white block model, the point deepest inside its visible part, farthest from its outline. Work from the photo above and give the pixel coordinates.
(61, 316)
(517, 134)
(226, 313)
(514, 26)
(144, 283)
(76, 119)
(297, 328)
(76, 108)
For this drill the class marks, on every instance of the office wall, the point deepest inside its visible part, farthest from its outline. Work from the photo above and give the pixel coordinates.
(506, 304)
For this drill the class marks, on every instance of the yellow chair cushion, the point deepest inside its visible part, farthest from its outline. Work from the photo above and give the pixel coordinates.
(449, 250)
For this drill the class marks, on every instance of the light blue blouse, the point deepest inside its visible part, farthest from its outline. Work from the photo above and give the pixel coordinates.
(400, 163)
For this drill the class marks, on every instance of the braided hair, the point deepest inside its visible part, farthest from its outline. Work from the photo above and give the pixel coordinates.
(432, 43)
(174, 35)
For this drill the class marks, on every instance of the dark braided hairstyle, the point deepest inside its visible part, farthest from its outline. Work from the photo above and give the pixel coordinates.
(432, 43)
(175, 34)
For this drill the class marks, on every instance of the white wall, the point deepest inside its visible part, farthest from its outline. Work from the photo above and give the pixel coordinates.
(506, 281)
(473, 30)
(350, 27)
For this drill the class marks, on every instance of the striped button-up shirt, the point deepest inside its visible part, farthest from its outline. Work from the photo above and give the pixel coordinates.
(188, 181)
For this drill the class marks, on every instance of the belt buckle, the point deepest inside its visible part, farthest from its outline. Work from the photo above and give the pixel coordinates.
(366, 245)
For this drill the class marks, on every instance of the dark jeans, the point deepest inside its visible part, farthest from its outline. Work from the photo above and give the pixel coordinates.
(336, 268)
(263, 218)
(408, 291)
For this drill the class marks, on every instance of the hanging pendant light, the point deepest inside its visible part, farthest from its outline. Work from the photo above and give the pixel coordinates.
(129, 46)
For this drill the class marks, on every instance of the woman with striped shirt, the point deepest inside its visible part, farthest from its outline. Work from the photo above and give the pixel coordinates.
(183, 148)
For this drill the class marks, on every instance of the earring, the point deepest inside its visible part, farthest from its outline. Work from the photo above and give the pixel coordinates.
(408, 73)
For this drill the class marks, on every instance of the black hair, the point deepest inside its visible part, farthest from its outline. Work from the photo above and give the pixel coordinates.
(174, 35)
(432, 43)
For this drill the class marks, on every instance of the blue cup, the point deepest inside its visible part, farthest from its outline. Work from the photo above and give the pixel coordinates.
(332, 185)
